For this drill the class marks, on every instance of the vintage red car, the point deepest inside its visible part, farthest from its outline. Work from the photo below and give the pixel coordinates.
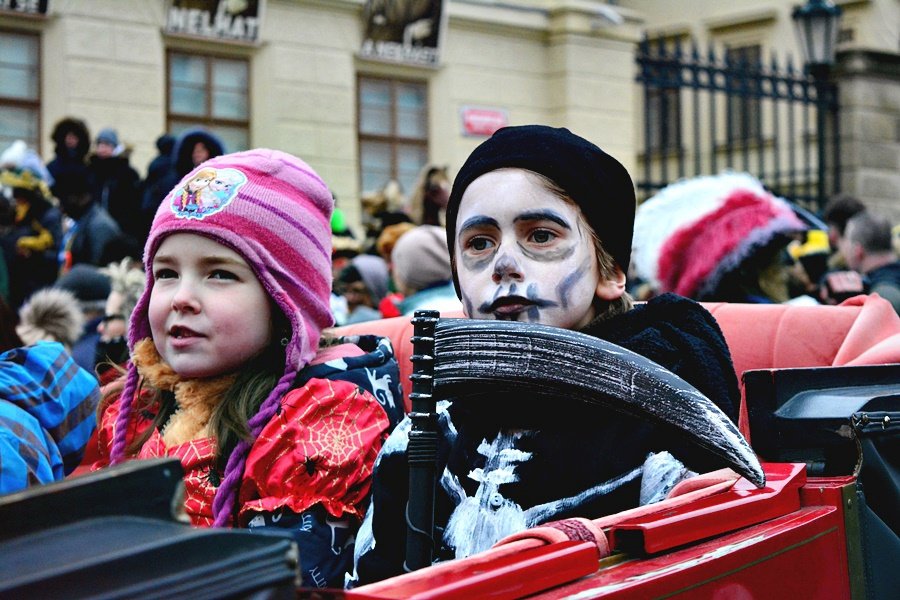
(820, 405)
(821, 400)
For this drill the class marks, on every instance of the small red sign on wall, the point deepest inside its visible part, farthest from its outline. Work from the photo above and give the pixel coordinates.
(483, 121)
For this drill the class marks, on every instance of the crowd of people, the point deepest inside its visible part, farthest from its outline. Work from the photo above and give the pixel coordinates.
(201, 299)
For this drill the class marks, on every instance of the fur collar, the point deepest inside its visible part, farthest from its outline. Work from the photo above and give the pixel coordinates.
(195, 398)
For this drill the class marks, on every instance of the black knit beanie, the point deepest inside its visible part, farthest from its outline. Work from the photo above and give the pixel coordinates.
(597, 182)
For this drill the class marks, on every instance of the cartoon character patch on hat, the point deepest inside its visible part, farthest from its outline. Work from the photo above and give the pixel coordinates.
(207, 192)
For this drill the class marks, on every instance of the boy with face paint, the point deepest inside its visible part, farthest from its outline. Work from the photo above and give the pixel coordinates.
(539, 229)
(532, 257)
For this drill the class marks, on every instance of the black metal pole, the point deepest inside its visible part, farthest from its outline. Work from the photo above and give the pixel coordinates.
(422, 448)
(820, 78)
(834, 109)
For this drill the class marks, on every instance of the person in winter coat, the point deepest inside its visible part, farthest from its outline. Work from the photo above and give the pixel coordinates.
(91, 288)
(226, 372)
(191, 148)
(92, 232)
(717, 238)
(153, 188)
(867, 249)
(115, 185)
(421, 268)
(428, 200)
(47, 415)
(363, 283)
(539, 227)
(32, 231)
(71, 143)
(128, 282)
(51, 315)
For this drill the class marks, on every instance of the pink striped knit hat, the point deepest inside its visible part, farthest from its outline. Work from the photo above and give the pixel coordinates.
(694, 232)
(275, 211)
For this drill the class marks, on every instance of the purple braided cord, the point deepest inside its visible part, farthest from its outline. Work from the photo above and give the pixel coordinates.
(234, 470)
(126, 401)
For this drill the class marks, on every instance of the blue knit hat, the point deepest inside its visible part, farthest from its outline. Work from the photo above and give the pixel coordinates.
(108, 136)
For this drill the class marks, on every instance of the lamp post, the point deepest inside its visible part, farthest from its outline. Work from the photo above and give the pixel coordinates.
(817, 23)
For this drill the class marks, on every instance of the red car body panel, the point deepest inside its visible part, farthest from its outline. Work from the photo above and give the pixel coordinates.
(786, 539)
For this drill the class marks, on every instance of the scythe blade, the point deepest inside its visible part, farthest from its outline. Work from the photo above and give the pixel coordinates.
(485, 354)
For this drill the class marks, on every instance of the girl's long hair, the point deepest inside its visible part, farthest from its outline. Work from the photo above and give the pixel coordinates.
(228, 422)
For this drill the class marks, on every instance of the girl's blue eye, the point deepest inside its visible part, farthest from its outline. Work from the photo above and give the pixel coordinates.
(165, 274)
(220, 274)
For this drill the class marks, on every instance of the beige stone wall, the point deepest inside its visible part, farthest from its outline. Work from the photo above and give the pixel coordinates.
(870, 129)
(547, 61)
(872, 24)
(303, 90)
(562, 62)
(108, 70)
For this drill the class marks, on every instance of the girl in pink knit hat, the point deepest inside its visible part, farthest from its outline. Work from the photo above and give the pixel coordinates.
(226, 372)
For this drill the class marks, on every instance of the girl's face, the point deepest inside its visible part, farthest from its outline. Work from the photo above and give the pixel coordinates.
(199, 153)
(219, 185)
(209, 314)
(523, 254)
(199, 183)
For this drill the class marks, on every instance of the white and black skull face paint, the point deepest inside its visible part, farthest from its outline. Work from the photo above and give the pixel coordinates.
(524, 254)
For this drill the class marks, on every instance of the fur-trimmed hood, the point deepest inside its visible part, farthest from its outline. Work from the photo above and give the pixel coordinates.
(184, 147)
(79, 129)
(195, 398)
(53, 315)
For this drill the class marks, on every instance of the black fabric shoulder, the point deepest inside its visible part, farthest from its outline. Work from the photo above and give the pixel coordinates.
(682, 336)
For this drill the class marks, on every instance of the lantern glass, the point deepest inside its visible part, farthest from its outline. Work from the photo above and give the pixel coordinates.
(817, 24)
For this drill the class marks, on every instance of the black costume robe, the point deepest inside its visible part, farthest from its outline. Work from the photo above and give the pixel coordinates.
(568, 447)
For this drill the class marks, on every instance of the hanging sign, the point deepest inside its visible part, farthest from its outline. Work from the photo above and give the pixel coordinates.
(404, 31)
(228, 20)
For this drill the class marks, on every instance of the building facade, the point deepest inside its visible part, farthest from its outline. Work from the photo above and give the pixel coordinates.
(369, 91)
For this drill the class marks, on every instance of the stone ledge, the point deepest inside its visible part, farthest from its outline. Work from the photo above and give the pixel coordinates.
(868, 62)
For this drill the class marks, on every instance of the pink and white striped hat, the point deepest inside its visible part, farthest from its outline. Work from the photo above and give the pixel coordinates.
(693, 232)
(275, 211)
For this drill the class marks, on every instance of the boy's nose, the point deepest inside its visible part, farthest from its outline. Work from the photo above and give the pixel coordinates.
(506, 267)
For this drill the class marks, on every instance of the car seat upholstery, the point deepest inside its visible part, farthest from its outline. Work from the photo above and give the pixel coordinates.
(863, 330)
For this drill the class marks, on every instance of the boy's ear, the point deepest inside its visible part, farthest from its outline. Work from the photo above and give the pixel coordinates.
(613, 288)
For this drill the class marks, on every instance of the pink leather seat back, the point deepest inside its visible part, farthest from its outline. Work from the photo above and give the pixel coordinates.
(862, 331)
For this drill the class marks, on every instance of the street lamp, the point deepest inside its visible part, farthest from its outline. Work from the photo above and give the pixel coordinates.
(818, 23)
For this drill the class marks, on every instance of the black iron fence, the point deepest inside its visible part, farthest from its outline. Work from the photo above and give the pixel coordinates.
(705, 113)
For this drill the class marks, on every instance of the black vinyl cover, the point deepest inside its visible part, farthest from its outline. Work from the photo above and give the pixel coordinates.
(136, 557)
(878, 494)
(139, 488)
(111, 534)
(807, 415)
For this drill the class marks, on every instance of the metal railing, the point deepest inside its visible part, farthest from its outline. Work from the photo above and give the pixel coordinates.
(705, 113)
